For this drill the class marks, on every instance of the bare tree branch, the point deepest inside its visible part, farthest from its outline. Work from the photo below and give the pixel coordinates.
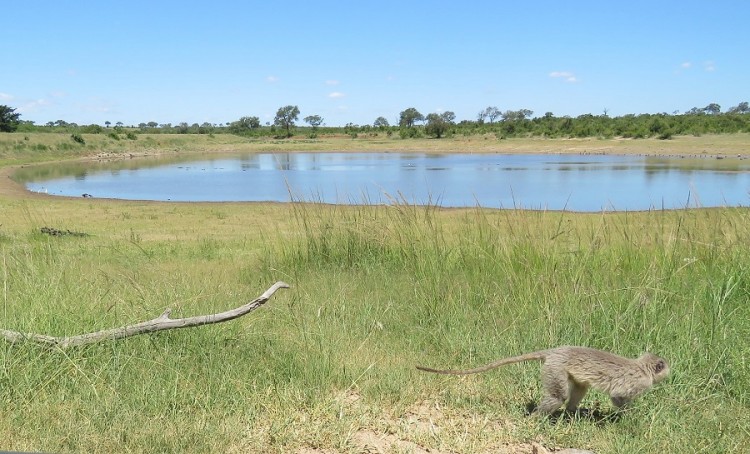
(160, 323)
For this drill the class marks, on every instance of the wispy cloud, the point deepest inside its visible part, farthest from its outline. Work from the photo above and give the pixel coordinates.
(272, 79)
(707, 66)
(567, 76)
(332, 82)
(27, 105)
(5, 96)
(336, 95)
(97, 105)
(35, 105)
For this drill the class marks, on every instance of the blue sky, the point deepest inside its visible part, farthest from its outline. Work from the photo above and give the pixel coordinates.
(351, 62)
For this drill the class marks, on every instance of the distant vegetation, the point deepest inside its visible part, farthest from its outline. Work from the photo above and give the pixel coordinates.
(413, 124)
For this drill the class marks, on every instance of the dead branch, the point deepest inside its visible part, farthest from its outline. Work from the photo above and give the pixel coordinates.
(160, 323)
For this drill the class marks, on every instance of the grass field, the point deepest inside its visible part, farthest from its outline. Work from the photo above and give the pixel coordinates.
(328, 365)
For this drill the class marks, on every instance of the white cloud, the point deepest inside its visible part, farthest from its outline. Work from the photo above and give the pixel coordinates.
(709, 66)
(686, 65)
(97, 105)
(336, 95)
(332, 82)
(272, 79)
(34, 106)
(566, 75)
(6, 96)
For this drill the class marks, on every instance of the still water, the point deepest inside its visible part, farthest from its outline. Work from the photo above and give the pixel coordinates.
(533, 181)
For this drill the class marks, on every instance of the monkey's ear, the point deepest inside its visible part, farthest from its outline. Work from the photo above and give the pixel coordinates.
(660, 365)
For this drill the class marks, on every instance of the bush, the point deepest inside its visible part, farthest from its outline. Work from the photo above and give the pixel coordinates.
(666, 135)
(131, 135)
(409, 133)
(92, 129)
(77, 138)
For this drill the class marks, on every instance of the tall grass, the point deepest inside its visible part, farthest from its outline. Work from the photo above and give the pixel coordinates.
(376, 290)
(462, 288)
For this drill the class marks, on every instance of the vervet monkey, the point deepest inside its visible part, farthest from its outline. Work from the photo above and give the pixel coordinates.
(568, 372)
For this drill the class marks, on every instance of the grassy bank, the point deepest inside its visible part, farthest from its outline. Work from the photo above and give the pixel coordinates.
(34, 147)
(328, 366)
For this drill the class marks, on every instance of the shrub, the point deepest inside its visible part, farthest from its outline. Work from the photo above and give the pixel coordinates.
(92, 129)
(77, 138)
(408, 133)
(666, 135)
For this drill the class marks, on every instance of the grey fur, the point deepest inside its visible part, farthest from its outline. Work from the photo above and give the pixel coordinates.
(568, 373)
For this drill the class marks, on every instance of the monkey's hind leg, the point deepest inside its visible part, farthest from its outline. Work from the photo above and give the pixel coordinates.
(576, 392)
(556, 389)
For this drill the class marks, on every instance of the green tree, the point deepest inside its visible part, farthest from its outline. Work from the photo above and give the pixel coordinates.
(408, 117)
(250, 122)
(491, 113)
(244, 124)
(8, 119)
(205, 128)
(513, 115)
(314, 121)
(740, 108)
(285, 118)
(438, 124)
(712, 109)
(381, 123)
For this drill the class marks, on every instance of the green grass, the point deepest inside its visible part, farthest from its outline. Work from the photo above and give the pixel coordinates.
(375, 291)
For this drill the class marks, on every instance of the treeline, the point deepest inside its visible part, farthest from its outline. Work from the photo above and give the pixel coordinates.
(412, 124)
(662, 126)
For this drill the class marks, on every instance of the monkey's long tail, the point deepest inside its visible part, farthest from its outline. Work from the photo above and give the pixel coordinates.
(534, 356)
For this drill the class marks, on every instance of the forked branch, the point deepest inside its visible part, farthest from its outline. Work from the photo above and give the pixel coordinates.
(160, 323)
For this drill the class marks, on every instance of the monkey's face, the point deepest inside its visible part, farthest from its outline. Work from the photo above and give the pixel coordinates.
(659, 366)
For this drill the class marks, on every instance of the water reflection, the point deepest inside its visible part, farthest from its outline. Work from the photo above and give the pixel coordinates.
(574, 182)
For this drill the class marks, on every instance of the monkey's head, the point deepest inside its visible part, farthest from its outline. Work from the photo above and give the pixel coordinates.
(657, 365)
